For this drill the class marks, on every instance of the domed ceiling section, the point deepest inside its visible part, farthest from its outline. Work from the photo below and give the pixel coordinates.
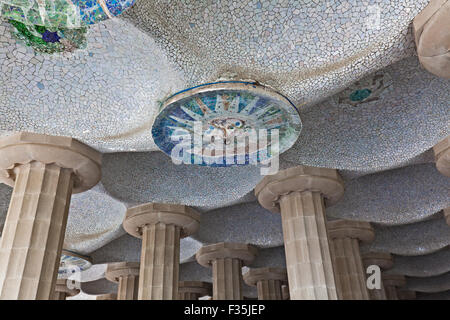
(393, 197)
(245, 223)
(406, 113)
(304, 49)
(95, 219)
(413, 239)
(428, 265)
(139, 177)
(106, 95)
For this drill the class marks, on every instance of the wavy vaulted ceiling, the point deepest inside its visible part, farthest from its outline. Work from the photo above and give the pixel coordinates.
(315, 53)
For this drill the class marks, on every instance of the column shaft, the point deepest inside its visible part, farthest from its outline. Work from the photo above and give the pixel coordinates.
(33, 235)
(391, 293)
(160, 259)
(308, 259)
(269, 290)
(128, 288)
(227, 279)
(378, 294)
(349, 270)
(188, 296)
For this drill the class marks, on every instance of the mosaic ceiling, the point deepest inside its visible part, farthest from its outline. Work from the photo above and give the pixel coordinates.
(101, 71)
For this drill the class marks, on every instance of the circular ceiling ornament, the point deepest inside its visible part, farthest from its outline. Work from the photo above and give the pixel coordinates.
(368, 89)
(72, 263)
(226, 123)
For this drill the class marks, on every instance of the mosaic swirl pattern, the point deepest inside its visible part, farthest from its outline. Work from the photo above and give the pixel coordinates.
(198, 125)
(61, 13)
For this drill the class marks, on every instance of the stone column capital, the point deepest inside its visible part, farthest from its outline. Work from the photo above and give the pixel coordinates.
(431, 29)
(297, 179)
(382, 259)
(442, 154)
(360, 230)
(260, 274)
(152, 213)
(198, 287)
(244, 252)
(65, 152)
(61, 286)
(394, 280)
(121, 269)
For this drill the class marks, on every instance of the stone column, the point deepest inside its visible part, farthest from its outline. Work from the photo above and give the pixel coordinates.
(299, 194)
(62, 291)
(285, 292)
(405, 294)
(268, 282)
(127, 275)
(192, 290)
(160, 226)
(107, 296)
(382, 260)
(431, 29)
(227, 260)
(442, 156)
(391, 283)
(44, 171)
(348, 266)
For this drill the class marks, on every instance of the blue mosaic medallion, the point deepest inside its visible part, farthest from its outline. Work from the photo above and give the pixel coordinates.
(226, 123)
(71, 263)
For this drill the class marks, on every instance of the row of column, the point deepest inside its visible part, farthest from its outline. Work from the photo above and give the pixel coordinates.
(46, 170)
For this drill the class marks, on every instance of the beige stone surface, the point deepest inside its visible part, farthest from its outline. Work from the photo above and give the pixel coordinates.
(172, 214)
(442, 155)
(350, 274)
(65, 152)
(308, 257)
(384, 261)
(226, 260)
(108, 296)
(193, 290)
(30, 247)
(44, 171)
(432, 35)
(160, 226)
(299, 193)
(127, 275)
(268, 282)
